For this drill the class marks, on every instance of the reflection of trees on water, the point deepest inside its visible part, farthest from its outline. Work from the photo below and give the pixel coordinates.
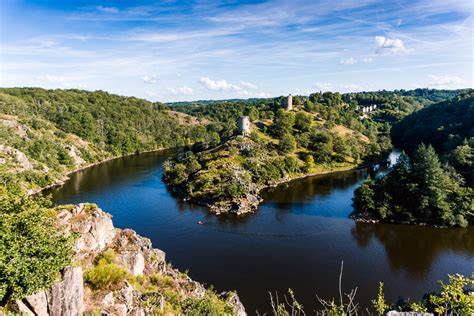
(414, 248)
(118, 171)
(305, 190)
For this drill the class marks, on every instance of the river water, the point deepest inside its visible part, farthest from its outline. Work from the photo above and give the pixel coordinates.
(297, 238)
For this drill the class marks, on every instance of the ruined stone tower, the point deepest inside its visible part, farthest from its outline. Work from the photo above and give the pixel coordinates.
(244, 125)
(289, 103)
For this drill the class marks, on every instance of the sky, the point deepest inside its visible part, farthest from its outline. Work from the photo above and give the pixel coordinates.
(220, 49)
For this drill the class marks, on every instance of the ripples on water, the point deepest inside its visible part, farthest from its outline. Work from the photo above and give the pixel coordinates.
(296, 239)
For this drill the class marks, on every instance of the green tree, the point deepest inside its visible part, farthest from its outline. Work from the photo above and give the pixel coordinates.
(283, 123)
(31, 253)
(364, 197)
(303, 121)
(308, 163)
(432, 183)
(287, 143)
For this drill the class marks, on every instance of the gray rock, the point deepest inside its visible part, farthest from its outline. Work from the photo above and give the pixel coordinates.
(234, 300)
(133, 261)
(39, 303)
(125, 295)
(66, 298)
(108, 299)
(95, 228)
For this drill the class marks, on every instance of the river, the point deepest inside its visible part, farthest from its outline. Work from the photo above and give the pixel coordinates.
(297, 238)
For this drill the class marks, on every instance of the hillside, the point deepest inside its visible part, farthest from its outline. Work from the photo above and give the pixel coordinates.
(448, 121)
(46, 134)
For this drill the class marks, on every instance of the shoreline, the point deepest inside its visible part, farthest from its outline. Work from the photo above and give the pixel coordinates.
(60, 182)
(369, 220)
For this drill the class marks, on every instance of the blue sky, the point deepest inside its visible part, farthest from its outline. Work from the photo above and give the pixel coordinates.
(188, 50)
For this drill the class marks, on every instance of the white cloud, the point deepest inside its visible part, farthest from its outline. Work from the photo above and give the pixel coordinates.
(248, 85)
(447, 81)
(180, 90)
(218, 85)
(107, 9)
(51, 78)
(390, 46)
(149, 79)
(348, 61)
(368, 60)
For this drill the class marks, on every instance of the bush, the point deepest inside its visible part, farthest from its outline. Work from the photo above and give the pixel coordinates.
(106, 274)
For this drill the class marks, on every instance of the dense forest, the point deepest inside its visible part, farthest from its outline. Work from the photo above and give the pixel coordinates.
(434, 183)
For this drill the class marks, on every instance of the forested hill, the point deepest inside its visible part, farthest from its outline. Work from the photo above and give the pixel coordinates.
(444, 125)
(47, 133)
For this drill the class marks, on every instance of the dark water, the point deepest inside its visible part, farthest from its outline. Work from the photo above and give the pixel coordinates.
(297, 239)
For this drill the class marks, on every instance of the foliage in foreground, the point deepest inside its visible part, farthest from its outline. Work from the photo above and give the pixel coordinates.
(31, 253)
(455, 298)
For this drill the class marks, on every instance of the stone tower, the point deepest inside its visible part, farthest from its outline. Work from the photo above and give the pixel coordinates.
(289, 103)
(244, 125)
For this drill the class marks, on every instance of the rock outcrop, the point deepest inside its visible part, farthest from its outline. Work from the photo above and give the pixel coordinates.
(145, 265)
(67, 296)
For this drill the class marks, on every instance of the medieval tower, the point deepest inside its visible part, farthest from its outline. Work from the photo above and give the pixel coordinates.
(244, 125)
(289, 103)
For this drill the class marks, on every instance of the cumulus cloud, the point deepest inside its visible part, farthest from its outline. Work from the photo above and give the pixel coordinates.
(248, 85)
(218, 85)
(446, 81)
(367, 60)
(107, 9)
(390, 46)
(348, 61)
(149, 79)
(180, 90)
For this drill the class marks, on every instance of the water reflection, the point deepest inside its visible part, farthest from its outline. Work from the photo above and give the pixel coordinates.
(415, 248)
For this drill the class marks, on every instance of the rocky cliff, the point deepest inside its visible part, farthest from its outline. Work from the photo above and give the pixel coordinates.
(118, 272)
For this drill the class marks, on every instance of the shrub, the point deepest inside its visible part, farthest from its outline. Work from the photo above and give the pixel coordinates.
(106, 274)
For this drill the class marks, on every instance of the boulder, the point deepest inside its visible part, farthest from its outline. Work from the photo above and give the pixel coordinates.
(65, 298)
